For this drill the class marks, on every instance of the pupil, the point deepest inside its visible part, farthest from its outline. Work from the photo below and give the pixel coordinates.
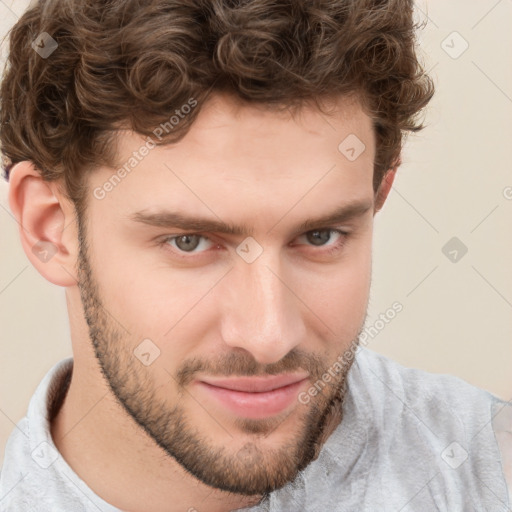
(319, 237)
(187, 242)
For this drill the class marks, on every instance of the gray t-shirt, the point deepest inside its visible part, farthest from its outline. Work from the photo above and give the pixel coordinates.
(409, 441)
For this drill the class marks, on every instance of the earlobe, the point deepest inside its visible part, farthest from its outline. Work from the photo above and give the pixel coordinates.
(43, 214)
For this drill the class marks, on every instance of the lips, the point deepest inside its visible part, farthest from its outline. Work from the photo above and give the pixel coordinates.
(255, 384)
(253, 397)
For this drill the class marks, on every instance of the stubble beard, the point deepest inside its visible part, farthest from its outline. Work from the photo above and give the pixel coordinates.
(249, 470)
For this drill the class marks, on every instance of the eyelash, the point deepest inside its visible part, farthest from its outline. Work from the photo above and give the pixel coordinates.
(164, 243)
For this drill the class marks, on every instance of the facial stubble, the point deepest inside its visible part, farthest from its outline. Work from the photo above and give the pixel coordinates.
(249, 470)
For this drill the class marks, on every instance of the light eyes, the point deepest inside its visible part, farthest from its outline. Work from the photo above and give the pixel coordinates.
(320, 237)
(194, 243)
(187, 242)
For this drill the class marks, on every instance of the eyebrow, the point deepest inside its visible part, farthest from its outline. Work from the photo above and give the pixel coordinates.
(169, 219)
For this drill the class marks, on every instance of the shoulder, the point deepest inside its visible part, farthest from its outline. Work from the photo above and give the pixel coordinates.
(412, 387)
(429, 428)
(443, 408)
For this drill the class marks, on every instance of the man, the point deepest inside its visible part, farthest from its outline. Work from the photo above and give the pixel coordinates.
(202, 177)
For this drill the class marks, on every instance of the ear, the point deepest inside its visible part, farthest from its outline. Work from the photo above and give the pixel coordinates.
(385, 187)
(46, 222)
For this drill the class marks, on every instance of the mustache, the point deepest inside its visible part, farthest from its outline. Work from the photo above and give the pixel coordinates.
(244, 365)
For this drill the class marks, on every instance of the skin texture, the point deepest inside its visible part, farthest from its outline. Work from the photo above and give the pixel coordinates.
(296, 307)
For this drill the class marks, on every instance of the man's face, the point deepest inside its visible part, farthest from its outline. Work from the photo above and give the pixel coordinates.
(189, 329)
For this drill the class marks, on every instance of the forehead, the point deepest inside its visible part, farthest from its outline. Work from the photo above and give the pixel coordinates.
(224, 113)
(230, 129)
(239, 156)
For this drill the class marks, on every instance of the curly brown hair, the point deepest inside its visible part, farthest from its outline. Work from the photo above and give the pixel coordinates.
(128, 64)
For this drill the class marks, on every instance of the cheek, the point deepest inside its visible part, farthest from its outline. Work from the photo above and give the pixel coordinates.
(151, 299)
(338, 295)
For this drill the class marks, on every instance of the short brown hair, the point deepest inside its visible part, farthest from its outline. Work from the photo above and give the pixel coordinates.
(131, 63)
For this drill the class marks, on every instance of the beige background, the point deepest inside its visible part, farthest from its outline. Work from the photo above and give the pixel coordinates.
(456, 181)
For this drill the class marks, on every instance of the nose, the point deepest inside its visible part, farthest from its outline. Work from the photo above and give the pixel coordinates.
(261, 314)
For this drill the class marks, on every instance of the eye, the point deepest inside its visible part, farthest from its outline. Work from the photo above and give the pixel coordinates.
(194, 243)
(188, 242)
(321, 237)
